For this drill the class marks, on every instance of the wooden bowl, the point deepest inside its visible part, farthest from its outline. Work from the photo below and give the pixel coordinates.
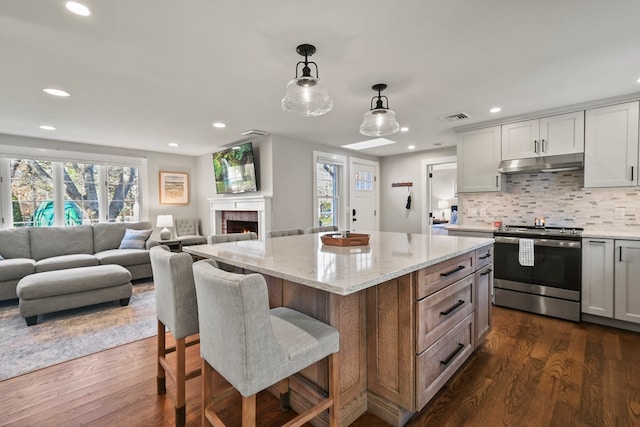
(336, 239)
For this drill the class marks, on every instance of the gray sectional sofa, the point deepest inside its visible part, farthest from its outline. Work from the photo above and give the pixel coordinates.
(31, 250)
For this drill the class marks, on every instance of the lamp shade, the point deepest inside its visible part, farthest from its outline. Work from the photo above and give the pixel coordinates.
(443, 204)
(165, 221)
(379, 122)
(307, 96)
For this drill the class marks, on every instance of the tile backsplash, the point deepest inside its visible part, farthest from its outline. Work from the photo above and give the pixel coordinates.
(557, 196)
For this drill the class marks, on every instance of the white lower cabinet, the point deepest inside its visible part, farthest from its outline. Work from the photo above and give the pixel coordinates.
(610, 278)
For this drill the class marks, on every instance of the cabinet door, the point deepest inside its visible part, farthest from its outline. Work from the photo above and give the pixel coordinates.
(627, 280)
(597, 277)
(478, 160)
(483, 286)
(611, 146)
(521, 140)
(563, 134)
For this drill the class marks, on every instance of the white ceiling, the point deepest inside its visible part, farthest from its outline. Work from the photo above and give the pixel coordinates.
(143, 73)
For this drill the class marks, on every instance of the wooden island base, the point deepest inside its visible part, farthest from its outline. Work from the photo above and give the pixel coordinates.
(400, 341)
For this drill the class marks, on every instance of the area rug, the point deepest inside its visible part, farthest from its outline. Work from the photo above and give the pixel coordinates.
(62, 336)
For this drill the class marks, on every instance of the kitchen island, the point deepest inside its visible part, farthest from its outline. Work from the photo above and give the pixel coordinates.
(410, 309)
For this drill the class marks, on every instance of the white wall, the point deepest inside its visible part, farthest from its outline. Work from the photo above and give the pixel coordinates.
(405, 168)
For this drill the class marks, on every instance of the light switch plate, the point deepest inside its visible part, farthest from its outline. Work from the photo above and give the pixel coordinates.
(618, 213)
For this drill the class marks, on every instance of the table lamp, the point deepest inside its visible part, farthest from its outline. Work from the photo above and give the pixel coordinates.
(165, 221)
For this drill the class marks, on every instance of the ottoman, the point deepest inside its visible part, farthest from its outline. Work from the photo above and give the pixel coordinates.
(51, 291)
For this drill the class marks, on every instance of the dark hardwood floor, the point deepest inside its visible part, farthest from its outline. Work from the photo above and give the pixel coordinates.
(531, 371)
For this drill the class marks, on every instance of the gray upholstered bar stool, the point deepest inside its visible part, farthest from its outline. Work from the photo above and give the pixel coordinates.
(230, 237)
(322, 229)
(286, 232)
(253, 347)
(177, 310)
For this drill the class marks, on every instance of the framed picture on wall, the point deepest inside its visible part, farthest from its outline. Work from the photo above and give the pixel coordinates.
(174, 188)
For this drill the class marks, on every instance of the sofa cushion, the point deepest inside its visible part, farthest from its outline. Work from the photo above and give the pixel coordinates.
(66, 261)
(47, 242)
(109, 235)
(134, 239)
(16, 268)
(124, 257)
(14, 243)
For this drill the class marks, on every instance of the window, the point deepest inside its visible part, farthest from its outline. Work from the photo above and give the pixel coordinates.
(65, 193)
(31, 192)
(328, 188)
(364, 181)
(327, 194)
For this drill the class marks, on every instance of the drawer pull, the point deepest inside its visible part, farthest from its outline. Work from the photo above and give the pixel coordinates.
(486, 272)
(452, 355)
(455, 270)
(488, 255)
(453, 307)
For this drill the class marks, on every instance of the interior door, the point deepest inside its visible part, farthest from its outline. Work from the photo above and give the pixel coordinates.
(363, 196)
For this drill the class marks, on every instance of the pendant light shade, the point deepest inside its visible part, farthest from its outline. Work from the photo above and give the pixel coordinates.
(305, 94)
(379, 120)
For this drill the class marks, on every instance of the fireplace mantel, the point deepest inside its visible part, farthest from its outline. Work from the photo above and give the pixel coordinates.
(260, 204)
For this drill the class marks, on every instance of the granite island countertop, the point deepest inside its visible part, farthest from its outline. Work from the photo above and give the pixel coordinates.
(340, 270)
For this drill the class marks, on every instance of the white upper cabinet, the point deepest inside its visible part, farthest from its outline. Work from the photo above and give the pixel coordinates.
(561, 134)
(478, 160)
(611, 146)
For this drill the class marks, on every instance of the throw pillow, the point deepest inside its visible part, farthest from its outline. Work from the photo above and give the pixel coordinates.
(134, 239)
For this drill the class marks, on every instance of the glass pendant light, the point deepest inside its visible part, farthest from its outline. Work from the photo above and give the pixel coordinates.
(306, 95)
(379, 121)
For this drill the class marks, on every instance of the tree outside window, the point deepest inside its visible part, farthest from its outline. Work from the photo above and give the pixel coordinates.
(327, 193)
(34, 194)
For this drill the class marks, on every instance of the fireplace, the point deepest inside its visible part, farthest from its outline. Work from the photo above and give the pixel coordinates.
(234, 226)
(240, 214)
(239, 221)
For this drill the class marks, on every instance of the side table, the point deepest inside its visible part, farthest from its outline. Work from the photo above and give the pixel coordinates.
(174, 245)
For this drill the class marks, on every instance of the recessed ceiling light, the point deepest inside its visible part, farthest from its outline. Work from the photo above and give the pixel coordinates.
(495, 110)
(638, 81)
(411, 147)
(371, 143)
(219, 125)
(404, 129)
(47, 127)
(78, 8)
(56, 92)
(174, 144)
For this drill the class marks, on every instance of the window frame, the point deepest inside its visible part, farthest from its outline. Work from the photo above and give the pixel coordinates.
(58, 158)
(341, 162)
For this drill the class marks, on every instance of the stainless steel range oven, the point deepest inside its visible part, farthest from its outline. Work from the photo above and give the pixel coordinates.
(548, 281)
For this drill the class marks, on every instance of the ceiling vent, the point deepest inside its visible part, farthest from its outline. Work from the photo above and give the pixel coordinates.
(454, 117)
(254, 132)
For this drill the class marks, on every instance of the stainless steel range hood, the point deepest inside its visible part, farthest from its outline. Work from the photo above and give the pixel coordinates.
(559, 163)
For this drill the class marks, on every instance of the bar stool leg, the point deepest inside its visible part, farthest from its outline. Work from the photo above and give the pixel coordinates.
(249, 411)
(161, 377)
(180, 383)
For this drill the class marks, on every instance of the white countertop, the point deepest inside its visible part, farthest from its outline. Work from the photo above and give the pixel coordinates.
(481, 228)
(341, 270)
(611, 234)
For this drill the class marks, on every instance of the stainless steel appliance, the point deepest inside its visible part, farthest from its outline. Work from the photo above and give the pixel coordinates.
(551, 286)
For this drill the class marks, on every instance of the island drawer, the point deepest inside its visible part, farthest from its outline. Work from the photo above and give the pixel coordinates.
(434, 278)
(484, 256)
(441, 311)
(439, 362)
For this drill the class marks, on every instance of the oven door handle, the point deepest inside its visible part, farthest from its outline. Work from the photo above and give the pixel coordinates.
(541, 242)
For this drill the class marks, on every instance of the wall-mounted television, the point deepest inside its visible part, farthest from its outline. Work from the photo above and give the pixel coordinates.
(235, 169)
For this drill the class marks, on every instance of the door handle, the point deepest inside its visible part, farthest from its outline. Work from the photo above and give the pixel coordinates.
(353, 212)
(543, 147)
(535, 146)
